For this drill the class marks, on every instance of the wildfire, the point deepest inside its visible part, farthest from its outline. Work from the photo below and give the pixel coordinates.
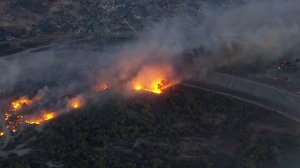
(138, 87)
(20, 103)
(40, 119)
(155, 78)
(13, 116)
(76, 102)
(157, 86)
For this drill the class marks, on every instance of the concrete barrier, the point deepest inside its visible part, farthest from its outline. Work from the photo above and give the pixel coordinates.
(280, 100)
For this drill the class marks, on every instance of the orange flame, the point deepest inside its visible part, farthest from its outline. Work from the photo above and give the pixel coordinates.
(76, 102)
(12, 117)
(155, 78)
(44, 117)
(19, 103)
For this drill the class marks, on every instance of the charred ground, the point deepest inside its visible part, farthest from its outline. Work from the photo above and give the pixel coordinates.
(183, 127)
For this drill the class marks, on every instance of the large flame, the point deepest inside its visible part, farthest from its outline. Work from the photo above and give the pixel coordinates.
(42, 118)
(155, 78)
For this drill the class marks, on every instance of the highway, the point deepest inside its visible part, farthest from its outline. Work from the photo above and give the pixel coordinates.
(276, 99)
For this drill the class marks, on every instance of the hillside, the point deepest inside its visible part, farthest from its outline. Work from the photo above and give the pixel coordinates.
(183, 127)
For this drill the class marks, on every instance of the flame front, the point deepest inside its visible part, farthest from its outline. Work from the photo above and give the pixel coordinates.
(155, 78)
(40, 119)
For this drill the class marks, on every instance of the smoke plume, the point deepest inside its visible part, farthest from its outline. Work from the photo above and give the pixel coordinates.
(255, 31)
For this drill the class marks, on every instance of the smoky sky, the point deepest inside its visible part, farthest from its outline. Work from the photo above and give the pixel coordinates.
(257, 30)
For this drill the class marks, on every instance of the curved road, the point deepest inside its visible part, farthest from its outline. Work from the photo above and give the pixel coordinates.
(279, 100)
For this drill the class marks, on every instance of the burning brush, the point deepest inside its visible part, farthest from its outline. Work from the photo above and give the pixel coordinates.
(45, 116)
(154, 78)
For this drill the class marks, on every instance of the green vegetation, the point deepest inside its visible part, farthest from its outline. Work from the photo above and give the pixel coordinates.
(181, 128)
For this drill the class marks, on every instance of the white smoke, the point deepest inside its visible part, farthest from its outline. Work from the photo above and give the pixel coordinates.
(255, 31)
